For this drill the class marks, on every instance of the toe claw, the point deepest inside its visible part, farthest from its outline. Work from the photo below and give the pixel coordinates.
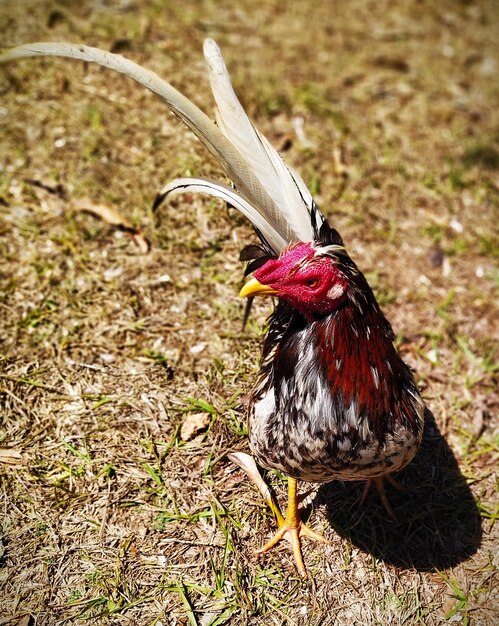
(292, 534)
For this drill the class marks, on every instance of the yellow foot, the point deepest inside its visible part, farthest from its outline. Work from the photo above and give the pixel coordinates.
(291, 528)
(379, 482)
(292, 531)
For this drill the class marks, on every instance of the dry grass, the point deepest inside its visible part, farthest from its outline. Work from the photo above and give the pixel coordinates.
(108, 515)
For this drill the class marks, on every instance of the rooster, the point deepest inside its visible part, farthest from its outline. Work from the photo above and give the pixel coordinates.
(333, 399)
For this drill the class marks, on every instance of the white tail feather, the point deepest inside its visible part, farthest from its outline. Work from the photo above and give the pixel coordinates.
(219, 190)
(263, 158)
(273, 197)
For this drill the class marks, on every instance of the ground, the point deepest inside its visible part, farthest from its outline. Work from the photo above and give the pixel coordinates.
(125, 373)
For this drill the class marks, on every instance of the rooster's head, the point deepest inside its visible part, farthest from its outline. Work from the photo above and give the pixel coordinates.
(311, 277)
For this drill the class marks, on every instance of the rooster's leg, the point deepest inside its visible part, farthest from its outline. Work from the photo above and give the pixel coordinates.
(292, 529)
(379, 482)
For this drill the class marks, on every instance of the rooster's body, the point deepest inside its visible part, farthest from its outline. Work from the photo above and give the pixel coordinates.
(333, 399)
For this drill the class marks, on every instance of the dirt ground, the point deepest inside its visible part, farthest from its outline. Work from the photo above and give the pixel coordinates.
(124, 374)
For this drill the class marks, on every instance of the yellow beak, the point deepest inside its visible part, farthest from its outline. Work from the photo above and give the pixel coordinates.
(254, 288)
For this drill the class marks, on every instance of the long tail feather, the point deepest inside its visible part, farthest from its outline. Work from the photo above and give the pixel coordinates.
(219, 190)
(263, 158)
(273, 197)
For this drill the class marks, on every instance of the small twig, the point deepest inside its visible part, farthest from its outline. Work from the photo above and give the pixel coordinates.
(102, 529)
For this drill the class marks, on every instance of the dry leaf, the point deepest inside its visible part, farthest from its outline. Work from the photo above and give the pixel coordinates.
(10, 456)
(113, 217)
(193, 425)
(478, 423)
(248, 465)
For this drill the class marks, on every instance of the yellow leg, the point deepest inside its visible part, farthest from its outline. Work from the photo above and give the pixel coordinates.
(292, 529)
(379, 482)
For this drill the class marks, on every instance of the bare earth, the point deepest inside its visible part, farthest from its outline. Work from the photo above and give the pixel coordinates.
(124, 374)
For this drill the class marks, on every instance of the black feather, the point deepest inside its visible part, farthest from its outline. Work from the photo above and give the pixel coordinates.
(158, 200)
(329, 235)
(247, 310)
(252, 251)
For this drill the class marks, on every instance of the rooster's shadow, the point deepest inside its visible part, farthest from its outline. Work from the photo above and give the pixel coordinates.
(438, 524)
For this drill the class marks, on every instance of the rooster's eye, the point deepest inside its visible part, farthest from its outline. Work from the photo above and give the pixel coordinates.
(311, 282)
